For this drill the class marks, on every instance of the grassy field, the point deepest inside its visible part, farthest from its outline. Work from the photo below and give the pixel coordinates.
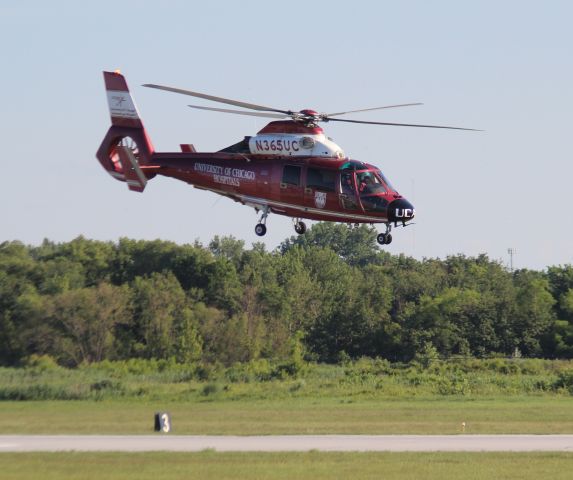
(295, 416)
(311, 465)
(362, 397)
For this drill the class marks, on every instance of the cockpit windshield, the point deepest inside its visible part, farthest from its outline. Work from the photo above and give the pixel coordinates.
(385, 180)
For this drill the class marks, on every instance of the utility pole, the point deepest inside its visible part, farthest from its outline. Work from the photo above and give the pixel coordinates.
(512, 252)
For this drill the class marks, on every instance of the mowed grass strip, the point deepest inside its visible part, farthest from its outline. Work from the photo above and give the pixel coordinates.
(311, 465)
(514, 415)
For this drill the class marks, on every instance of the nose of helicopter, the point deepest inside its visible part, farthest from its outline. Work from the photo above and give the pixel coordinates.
(400, 210)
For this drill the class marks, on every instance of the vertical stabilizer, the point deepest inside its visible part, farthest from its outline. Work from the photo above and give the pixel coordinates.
(126, 145)
(121, 105)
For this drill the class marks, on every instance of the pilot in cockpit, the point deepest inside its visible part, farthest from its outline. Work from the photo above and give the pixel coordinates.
(347, 190)
(365, 182)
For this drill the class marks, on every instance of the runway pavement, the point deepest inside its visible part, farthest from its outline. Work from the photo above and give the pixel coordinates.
(287, 443)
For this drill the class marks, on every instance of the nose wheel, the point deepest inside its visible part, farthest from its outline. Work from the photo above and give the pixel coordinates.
(386, 237)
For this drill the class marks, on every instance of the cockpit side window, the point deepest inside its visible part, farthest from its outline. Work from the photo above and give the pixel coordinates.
(348, 190)
(369, 184)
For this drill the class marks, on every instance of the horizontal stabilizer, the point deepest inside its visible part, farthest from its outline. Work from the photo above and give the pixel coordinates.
(188, 148)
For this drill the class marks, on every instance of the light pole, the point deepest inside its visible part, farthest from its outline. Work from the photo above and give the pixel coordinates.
(512, 252)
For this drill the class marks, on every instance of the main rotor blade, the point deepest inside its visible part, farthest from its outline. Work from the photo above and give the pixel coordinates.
(399, 124)
(228, 101)
(375, 108)
(239, 112)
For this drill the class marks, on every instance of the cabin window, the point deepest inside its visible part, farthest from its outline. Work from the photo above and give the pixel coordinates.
(321, 179)
(291, 175)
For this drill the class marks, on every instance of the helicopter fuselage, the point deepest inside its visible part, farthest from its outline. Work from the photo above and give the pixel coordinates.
(316, 188)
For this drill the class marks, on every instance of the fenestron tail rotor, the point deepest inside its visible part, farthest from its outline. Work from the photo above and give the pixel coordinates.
(123, 142)
(307, 117)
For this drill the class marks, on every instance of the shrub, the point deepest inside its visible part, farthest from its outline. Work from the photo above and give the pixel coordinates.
(41, 363)
(259, 370)
(564, 381)
(107, 385)
(298, 385)
(211, 389)
(427, 356)
(453, 385)
(42, 392)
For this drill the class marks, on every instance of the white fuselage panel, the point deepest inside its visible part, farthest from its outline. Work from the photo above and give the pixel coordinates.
(288, 144)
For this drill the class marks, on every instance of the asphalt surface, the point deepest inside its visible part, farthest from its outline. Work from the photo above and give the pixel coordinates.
(286, 443)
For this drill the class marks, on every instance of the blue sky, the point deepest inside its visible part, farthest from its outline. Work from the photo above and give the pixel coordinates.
(505, 67)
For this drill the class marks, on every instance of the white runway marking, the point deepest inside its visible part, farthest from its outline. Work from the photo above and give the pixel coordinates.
(287, 443)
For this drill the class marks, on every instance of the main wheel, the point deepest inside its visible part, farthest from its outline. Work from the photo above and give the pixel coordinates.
(260, 229)
(388, 239)
(300, 227)
(381, 238)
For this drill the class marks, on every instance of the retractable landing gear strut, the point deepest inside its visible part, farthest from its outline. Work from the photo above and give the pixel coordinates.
(261, 227)
(385, 238)
(299, 226)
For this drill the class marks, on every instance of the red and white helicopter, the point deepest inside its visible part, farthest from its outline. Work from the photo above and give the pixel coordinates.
(289, 167)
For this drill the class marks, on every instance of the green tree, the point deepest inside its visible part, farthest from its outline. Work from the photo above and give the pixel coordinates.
(560, 280)
(227, 247)
(356, 245)
(224, 289)
(87, 318)
(188, 345)
(18, 276)
(159, 311)
(95, 258)
(533, 314)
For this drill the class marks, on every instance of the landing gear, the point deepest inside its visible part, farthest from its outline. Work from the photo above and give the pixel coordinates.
(261, 227)
(299, 226)
(385, 238)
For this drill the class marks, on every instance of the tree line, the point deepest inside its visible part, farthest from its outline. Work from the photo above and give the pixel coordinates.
(330, 294)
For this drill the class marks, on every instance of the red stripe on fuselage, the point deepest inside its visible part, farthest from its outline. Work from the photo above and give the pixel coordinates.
(288, 126)
(126, 122)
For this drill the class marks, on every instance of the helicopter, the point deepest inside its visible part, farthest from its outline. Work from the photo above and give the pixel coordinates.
(290, 167)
